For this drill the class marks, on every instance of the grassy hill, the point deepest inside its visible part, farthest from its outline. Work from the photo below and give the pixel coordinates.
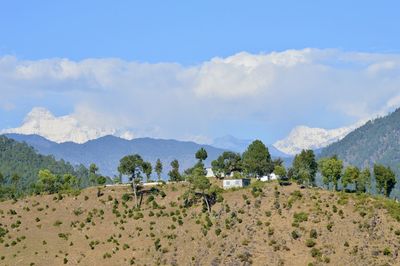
(270, 225)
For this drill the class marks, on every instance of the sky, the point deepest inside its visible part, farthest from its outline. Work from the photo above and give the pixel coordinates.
(200, 70)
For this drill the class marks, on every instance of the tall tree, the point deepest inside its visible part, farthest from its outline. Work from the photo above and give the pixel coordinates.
(147, 170)
(331, 171)
(93, 173)
(257, 160)
(280, 171)
(159, 169)
(1, 179)
(71, 182)
(226, 163)
(351, 176)
(200, 187)
(304, 167)
(364, 183)
(174, 174)
(385, 179)
(201, 154)
(46, 181)
(132, 166)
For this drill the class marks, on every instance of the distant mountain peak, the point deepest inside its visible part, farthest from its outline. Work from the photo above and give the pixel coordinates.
(40, 121)
(304, 137)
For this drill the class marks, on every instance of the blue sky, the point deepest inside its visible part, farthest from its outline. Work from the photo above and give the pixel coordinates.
(190, 32)
(346, 37)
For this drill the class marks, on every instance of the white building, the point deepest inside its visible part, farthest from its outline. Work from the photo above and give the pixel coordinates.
(210, 173)
(269, 177)
(232, 183)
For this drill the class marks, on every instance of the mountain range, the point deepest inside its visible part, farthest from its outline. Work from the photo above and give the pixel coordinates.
(377, 141)
(106, 151)
(72, 128)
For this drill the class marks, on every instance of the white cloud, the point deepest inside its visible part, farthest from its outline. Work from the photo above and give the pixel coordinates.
(260, 95)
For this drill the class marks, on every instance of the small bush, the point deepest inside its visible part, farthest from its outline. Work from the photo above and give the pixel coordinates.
(57, 223)
(315, 252)
(313, 233)
(310, 243)
(295, 234)
(387, 251)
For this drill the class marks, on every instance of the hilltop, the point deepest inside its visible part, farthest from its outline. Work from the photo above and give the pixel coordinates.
(265, 224)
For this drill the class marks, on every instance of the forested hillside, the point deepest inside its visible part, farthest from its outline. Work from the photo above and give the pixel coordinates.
(106, 151)
(378, 141)
(20, 164)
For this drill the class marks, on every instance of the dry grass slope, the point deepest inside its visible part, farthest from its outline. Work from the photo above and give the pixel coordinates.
(264, 225)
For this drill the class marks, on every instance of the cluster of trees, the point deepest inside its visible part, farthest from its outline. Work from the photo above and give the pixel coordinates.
(334, 175)
(256, 161)
(200, 187)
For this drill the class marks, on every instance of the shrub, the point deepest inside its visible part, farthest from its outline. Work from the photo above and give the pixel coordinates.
(310, 243)
(313, 233)
(78, 211)
(387, 252)
(329, 226)
(157, 244)
(315, 252)
(125, 197)
(299, 218)
(57, 223)
(295, 234)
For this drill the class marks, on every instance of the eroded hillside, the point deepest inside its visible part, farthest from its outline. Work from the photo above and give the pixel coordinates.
(264, 225)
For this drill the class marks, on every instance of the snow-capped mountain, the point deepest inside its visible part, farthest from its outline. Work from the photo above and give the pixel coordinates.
(41, 121)
(303, 137)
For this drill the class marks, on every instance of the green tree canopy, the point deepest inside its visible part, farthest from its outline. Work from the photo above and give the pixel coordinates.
(351, 176)
(385, 179)
(47, 181)
(158, 168)
(174, 174)
(147, 170)
(331, 171)
(257, 160)
(304, 167)
(132, 166)
(201, 154)
(280, 170)
(364, 182)
(227, 163)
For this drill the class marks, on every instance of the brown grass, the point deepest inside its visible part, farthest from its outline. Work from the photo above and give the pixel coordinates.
(247, 228)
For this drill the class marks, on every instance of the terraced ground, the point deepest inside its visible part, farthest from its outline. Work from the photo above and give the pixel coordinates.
(265, 224)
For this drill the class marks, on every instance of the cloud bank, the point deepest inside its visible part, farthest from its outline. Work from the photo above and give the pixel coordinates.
(254, 95)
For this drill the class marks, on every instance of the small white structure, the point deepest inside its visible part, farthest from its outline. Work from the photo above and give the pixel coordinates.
(269, 177)
(210, 172)
(232, 183)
